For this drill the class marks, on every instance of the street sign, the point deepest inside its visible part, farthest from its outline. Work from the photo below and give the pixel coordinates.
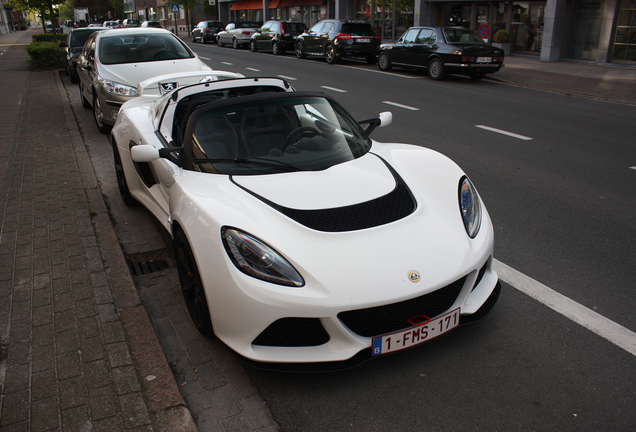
(174, 7)
(484, 31)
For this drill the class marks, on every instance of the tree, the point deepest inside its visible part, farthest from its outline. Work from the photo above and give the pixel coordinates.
(187, 5)
(43, 7)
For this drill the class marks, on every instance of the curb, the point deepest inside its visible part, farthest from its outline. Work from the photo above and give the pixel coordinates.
(164, 401)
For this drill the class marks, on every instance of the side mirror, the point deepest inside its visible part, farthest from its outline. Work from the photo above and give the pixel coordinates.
(144, 153)
(382, 120)
(386, 118)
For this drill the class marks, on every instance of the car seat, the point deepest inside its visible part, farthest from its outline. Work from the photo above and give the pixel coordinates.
(265, 128)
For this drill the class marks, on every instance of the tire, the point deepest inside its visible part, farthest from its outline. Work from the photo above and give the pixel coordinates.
(436, 69)
(99, 116)
(191, 284)
(235, 43)
(219, 43)
(122, 184)
(300, 53)
(194, 40)
(86, 104)
(384, 62)
(372, 59)
(276, 48)
(330, 54)
(203, 41)
(477, 76)
(253, 46)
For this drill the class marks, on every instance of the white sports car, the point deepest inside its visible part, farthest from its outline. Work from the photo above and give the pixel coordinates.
(298, 239)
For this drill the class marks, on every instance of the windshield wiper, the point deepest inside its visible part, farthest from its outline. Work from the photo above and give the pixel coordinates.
(254, 160)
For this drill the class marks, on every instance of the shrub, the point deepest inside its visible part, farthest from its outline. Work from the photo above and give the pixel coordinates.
(501, 36)
(48, 37)
(45, 55)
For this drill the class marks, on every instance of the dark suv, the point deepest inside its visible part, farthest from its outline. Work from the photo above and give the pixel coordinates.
(277, 36)
(73, 47)
(206, 31)
(339, 38)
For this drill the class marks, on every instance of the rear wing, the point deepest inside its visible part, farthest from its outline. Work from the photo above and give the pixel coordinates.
(158, 85)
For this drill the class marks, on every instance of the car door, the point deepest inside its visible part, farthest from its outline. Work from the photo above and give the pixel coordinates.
(226, 36)
(311, 40)
(399, 53)
(422, 48)
(264, 35)
(86, 68)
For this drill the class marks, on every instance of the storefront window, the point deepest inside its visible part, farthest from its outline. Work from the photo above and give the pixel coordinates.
(625, 40)
(586, 29)
(458, 14)
(389, 24)
(526, 29)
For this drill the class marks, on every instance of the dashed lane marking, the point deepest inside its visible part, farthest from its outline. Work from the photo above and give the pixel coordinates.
(334, 89)
(227, 63)
(395, 104)
(252, 69)
(613, 332)
(503, 132)
(287, 77)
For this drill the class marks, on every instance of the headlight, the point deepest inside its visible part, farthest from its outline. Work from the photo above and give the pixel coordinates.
(470, 207)
(118, 89)
(256, 259)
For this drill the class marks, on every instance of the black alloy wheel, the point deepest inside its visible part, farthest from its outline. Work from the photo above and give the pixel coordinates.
(122, 184)
(384, 62)
(300, 53)
(99, 116)
(436, 69)
(330, 54)
(191, 285)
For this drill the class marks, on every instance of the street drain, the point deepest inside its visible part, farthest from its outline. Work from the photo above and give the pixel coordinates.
(147, 267)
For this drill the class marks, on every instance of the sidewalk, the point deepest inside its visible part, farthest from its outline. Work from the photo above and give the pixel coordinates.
(77, 349)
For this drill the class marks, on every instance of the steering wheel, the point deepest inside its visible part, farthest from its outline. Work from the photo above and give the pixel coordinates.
(296, 131)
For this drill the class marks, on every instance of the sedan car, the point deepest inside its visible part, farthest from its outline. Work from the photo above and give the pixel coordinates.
(114, 62)
(111, 24)
(298, 239)
(206, 31)
(442, 50)
(155, 24)
(238, 34)
(335, 39)
(277, 36)
(73, 48)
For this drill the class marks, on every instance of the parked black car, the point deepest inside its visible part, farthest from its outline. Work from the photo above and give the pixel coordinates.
(73, 48)
(277, 36)
(206, 31)
(442, 50)
(336, 39)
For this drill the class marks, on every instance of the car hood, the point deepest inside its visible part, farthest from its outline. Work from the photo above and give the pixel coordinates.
(133, 73)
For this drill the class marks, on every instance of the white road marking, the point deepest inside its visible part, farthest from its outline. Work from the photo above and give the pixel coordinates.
(514, 135)
(634, 167)
(227, 63)
(380, 72)
(613, 332)
(205, 58)
(334, 89)
(395, 104)
(252, 69)
(286, 77)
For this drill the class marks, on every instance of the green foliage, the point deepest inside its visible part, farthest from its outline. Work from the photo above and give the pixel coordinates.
(48, 37)
(45, 55)
(501, 36)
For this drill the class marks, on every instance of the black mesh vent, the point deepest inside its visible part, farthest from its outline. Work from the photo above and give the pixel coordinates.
(388, 208)
(481, 274)
(293, 332)
(394, 317)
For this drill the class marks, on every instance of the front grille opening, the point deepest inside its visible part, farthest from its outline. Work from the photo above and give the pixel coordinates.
(147, 267)
(293, 332)
(481, 274)
(385, 319)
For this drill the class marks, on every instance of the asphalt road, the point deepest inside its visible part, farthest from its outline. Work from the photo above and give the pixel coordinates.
(561, 195)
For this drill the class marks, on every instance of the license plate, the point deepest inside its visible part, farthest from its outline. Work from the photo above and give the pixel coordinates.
(484, 59)
(415, 335)
(363, 40)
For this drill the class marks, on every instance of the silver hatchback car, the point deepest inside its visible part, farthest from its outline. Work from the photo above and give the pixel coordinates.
(114, 62)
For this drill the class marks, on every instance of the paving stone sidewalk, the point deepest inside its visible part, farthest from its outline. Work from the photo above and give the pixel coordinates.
(77, 350)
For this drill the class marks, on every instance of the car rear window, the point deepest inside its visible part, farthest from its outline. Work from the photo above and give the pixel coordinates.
(79, 38)
(294, 28)
(358, 29)
(246, 24)
(462, 36)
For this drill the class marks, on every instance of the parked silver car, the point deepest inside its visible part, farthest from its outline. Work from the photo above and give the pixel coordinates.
(237, 33)
(113, 63)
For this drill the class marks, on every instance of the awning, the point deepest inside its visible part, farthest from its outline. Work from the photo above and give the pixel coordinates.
(300, 2)
(247, 5)
(273, 4)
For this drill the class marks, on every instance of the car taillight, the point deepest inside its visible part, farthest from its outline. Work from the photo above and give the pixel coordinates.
(498, 59)
(282, 30)
(246, 32)
(207, 29)
(467, 59)
(343, 36)
(377, 37)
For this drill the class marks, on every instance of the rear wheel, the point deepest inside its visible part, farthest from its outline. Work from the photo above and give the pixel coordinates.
(191, 285)
(219, 43)
(300, 53)
(99, 116)
(330, 54)
(384, 62)
(122, 184)
(253, 47)
(276, 48)
(436, 69)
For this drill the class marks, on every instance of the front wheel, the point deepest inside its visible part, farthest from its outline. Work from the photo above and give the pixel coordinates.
(330, 54)
(191, 285)
(384, 62)
(253, 47)
(99, 116)
(276, 48)
(436, 69)
(122, 184)
(219, 43)
(235, 44)
(300, 53)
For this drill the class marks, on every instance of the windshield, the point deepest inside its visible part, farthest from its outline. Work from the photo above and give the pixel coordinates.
(141, 48)
(460, 35)
(275, 135)
(79, 38)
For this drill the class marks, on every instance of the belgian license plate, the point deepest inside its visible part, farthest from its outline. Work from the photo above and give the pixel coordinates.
(415, 335)
(364, 40)
(484, 59)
